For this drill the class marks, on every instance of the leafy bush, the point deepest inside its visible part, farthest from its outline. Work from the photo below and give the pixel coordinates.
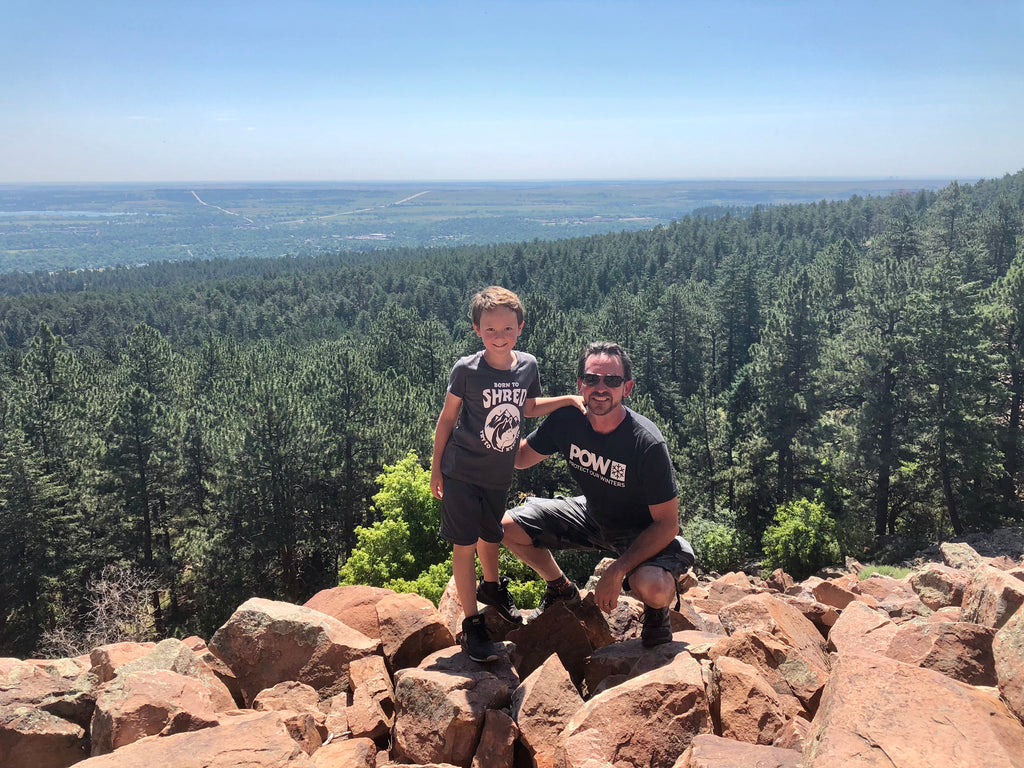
(802, 539)
(718, 546)
(404, 543)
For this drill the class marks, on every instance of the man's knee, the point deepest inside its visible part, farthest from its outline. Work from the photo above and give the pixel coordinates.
(514, 535)
(654, 585)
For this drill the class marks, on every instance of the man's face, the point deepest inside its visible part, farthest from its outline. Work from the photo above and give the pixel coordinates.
(600, 398)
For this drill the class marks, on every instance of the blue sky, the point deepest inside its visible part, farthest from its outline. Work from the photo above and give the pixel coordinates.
(341, 91)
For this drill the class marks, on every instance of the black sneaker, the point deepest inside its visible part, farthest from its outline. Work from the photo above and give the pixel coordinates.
(475, 640)
(496, 594)
(570, 596)
(657, 627)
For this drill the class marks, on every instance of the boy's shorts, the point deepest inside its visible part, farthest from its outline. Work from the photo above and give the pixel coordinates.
(469, 513)
(563, 523)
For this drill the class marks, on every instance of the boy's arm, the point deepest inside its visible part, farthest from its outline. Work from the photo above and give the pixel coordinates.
(526, 456)
(542, 406)
(445, 424)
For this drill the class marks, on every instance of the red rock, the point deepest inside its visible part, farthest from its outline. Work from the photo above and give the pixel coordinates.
(649, 720)
(371, 712)
(542, 707)
(347, 753)
(107, 658)
(147, 703)
(710, 751)
(744, 706)
(266, 642)
(440, 708)
(877, 712)
(1008, 655)
(34, 738)
(353, 605)
(255, 740)
(497, 741)
(410, 629)
(959, 650)
(939, 586)
(992, 597)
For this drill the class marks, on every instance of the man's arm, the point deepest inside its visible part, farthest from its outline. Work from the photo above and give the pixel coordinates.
(658, 535)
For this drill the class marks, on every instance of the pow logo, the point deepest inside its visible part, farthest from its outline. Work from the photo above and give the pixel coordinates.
(501, 430)
(618, 471)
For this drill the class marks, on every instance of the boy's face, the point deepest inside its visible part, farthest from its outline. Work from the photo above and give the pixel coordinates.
(498, 329)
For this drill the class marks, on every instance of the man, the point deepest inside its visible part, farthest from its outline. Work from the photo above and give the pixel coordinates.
(629, 504)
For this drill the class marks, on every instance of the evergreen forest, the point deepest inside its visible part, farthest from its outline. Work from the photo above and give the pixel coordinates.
(222, 426)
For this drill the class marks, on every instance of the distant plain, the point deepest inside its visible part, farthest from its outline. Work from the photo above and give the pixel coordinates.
(65, 227)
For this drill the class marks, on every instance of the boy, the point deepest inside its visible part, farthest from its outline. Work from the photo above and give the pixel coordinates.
(475, 446)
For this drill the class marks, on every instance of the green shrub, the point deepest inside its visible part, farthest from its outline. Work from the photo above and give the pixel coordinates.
(802, 539)
(718, 546)
(883, 570)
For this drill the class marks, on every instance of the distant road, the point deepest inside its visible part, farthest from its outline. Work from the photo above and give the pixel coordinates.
(358, 210)
(230, 213)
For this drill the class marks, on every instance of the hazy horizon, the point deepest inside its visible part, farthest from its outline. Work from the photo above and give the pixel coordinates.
(526, 90)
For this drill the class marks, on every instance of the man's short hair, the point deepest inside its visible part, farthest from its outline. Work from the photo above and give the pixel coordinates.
(495, 297)
(605, 348)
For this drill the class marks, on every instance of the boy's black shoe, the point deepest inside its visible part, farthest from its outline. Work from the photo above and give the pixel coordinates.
(570, 596)
(657, 627)
(475, 640)
(496, 594)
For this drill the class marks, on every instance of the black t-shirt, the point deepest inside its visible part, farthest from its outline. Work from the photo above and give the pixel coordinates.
(621, 473)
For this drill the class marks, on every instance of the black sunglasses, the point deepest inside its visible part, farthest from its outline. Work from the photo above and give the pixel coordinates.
(611, 380)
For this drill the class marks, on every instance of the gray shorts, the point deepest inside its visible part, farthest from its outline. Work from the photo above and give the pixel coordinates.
(469, 513)
(563, 523)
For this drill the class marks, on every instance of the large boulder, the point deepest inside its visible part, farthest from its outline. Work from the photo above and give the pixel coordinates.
(410, 629)
(992, 597)
(648, 720)
(542, 707)
(1008, 656)
(34, 738)
(440, 706)
(371, 712)
(957, 649)
(254, 740)
(795, 680)
(862, 627)
(744, 706)
(939, 586)
(877, 712)
(175, 656)
(781, 620)
(354, 605)
(497, 745)
(148, 703)
(266, 642)
(710, 751)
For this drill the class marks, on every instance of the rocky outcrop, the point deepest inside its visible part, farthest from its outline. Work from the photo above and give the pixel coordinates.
(838, 671)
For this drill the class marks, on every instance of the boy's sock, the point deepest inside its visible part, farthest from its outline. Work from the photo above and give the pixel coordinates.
(561, 584)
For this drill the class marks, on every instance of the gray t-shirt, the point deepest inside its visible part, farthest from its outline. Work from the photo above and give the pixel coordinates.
(482, 447)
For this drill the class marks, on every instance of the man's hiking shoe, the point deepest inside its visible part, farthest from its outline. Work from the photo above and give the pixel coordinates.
(496, 594)
(657, 627)
(570, 596)
(475, 640)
